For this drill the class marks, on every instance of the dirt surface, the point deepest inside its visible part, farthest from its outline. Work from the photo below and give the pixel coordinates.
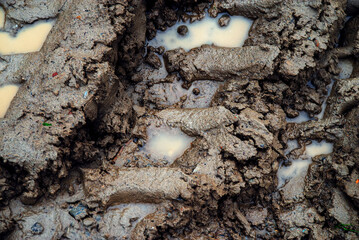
(100, 87)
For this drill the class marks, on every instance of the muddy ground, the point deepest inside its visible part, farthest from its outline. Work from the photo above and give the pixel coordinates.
(85, 178)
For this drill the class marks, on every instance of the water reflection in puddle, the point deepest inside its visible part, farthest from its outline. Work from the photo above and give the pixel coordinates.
(205, 31)
(29, 39)
(7, 93)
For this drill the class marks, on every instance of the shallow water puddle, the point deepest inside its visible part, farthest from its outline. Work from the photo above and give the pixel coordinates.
(28, 39)
(166, 143)
(7, 93)
(2, 17)
(346, 68)
(205, 31)
(302, 117)
(298, 166)
(292, 144)
(318, 148)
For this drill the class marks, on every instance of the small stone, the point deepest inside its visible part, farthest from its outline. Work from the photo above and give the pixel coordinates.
(64, 205)
(224, 20)
(287, 163)
(196, 91)
(71, 190)
(37, 228)
(79, 212)
(153, 60)
(182, 30)
(160, 50)
(88, 221)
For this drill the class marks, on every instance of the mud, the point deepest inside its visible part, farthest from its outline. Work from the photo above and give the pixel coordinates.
(77, 159)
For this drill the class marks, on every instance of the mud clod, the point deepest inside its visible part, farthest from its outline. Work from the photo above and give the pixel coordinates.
(224, 20)
(182, 30)
(196, 91)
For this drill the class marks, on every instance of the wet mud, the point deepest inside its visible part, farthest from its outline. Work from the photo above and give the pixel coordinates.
(110, 137)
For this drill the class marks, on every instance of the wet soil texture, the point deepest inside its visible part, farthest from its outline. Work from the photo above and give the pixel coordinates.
(79, 151)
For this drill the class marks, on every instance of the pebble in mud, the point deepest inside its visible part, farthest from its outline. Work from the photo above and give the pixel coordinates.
(196, 91)
(224, 20)
(79, 212)
(88, 221)
(182, 30)
(37, 228)
(153, 60)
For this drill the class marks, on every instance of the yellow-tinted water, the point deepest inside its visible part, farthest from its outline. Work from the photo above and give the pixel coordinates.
(29, 39)
(7, 93)
(2, 17)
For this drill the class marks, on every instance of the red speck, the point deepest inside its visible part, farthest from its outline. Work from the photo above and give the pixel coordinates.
(357, 181)
(78, 17)
(316, 42)
(55, 74)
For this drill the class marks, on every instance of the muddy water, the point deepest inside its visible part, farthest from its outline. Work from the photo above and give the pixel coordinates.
(346, 68)
(166, 143)
(205, 31)
(28, 39)
(292, 144)
(302, 117)
(298, 166)
(7, 93)
(2, 17)
(318, 148)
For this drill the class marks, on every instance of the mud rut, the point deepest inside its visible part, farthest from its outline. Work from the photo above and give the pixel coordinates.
(86, 177)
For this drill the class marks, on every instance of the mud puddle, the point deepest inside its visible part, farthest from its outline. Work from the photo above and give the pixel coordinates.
(166, 143)
(2, 17)
(300, 166)
(222, 31)
(28, 39)
(7, 93)
(163, 145)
